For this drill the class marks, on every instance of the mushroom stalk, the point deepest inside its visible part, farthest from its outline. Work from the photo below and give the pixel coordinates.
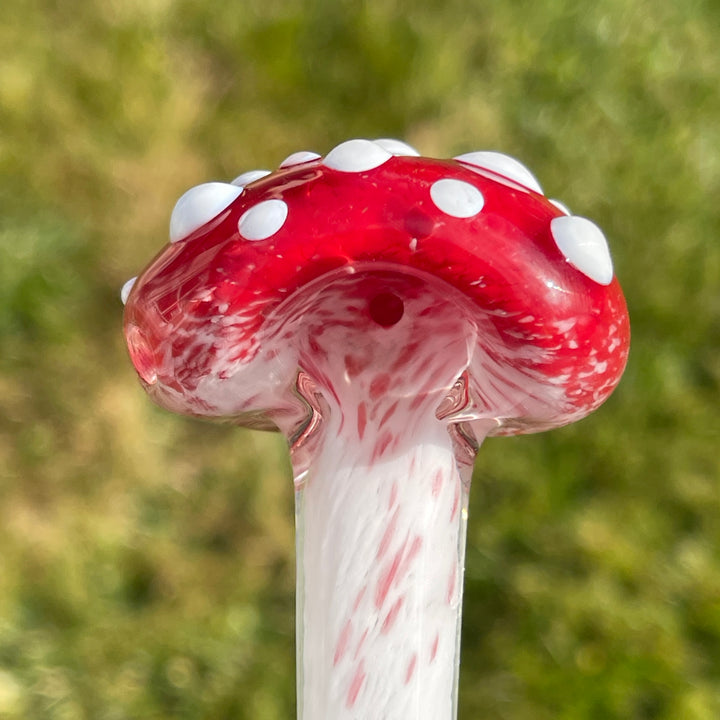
(386, 312)
(381, 477)
(380, 549)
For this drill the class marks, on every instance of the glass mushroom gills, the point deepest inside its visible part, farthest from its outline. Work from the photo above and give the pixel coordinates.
(386, 312)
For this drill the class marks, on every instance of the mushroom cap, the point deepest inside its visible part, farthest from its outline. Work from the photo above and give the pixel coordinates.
(535, 284)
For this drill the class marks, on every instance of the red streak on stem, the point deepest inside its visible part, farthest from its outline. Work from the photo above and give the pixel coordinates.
(388, 414)
(361, 642)
(388, 577)
(411, 669)
(393, 494)
(396, 570)
(437, 483)
(356, 685)
(452, 583)
(387, 535)
(381, 446)
(411, 555)
(361, 419)
(392, 616)
(434, 647)
(359, 598)
(343, 642)
(379, 386)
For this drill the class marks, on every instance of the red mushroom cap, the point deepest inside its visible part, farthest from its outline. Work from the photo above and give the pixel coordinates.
(534, 284)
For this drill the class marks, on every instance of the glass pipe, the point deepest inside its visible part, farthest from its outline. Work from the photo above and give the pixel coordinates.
(386, 312)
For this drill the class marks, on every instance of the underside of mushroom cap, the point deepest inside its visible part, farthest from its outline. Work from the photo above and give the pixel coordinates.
(534, 286)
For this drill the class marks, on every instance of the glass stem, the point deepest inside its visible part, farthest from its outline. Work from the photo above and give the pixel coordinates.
(380, 556)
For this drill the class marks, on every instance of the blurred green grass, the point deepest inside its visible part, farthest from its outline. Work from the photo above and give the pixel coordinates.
(146, 561)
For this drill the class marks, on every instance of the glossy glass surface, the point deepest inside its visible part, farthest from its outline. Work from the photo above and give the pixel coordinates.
(198, 323)
(386, 313)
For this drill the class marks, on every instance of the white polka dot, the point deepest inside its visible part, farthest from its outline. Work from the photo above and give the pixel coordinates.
(250, 176)
(561, 207)
(503, 165)
(198, 206)
(126, 288)
(397, 147)
(298, 158)
(457, 198)
(263, 220)
(584, 247)
(356, 156)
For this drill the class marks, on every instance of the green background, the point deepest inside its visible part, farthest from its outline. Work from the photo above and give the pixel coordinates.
(146, 561)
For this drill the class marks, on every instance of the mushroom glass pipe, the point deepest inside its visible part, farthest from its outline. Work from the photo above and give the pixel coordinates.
(386, 312)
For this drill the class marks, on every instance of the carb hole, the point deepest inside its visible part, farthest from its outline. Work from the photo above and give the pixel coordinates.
(386, 309)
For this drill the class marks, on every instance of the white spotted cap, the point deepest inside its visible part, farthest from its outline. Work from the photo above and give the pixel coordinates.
(126, 288)
(584, 247)
(250, 176)
(457, 198)
(356, 156)
(198, 206)
(298, 158)
(503, 165)
(397, 147)
(263, 220)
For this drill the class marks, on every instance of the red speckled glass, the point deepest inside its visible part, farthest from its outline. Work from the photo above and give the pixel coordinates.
(386, 312)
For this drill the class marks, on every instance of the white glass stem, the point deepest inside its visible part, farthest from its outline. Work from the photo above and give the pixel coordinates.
(380, 550)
